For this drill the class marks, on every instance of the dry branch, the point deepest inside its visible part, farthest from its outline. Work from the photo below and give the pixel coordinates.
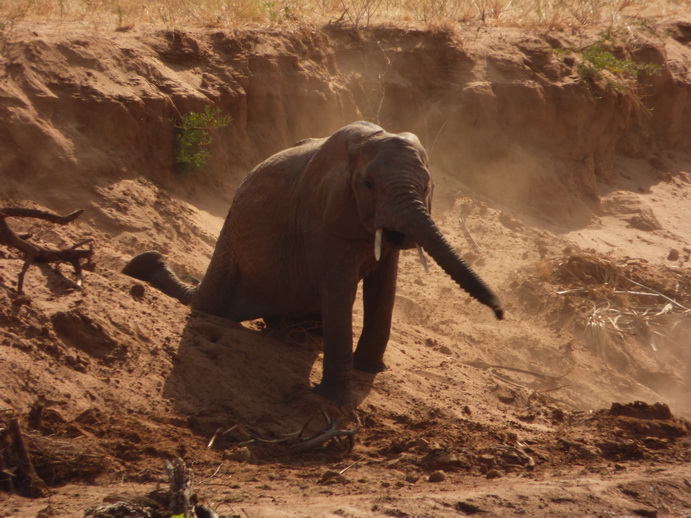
(180, 487)
(299, 442)
(34, 253)
(467, 234)
(657, 293)
(32, 485)
(483, 365)
(6, 474)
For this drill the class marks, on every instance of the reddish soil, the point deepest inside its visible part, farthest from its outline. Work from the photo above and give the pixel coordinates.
(575, 194)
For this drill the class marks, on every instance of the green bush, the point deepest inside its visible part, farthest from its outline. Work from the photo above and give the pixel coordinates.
(597, 59)
(193, 138)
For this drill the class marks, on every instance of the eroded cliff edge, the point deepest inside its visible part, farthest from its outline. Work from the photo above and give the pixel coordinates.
(509, 114)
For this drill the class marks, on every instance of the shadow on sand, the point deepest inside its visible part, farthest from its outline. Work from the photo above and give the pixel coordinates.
(225, 373)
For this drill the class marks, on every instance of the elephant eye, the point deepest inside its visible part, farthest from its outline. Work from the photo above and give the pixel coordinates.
(369, 184)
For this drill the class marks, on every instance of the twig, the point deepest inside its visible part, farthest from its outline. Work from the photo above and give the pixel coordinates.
(574, 290)
(215, 436)
(423, 259)
(640, 293)
(483, 365)
(348, 467)
(508, 380)
(553, 389)
(434, 142)
(298, 442)
(655, 291)
(15, 212)
(203, 481)
(381, 82)
(37, 254)
(467, 233)
(332, 432)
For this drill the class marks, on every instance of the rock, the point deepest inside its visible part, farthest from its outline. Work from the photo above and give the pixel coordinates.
(494, 473)
(440, 458)
(510, 222)
(437, 476)
(486, 459)
(641, 410)
(332, 477)
(412, 478)
(203, 511)
(420, 445)
(673, 255)
(645, 220)
(137, 291)
(243, 454)
(468, 508)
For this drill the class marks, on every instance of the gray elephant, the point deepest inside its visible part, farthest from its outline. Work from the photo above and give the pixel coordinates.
(306, 226)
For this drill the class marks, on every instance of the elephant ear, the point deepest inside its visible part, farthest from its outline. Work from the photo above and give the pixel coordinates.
(332, 169)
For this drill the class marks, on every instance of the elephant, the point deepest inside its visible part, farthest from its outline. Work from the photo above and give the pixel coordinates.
(306, 226)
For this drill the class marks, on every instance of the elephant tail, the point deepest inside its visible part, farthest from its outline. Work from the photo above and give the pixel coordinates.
(152, 268)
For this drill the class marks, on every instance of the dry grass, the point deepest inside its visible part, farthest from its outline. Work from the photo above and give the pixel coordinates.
(625, 297)
(234, 13)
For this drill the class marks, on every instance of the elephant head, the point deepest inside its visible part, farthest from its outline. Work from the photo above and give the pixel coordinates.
(390, 188)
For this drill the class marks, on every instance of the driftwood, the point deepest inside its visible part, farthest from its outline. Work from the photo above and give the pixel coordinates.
(6, 466)
(178, 502)
(29, 483)
(34, 253)
(299, 442)
(180, 488)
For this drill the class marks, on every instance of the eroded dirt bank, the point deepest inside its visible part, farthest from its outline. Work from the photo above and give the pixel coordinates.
(508, 112)
(575, 190)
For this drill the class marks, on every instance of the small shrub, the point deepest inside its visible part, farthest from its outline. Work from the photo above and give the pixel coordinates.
(360, 12)
(597, 59)
(193, 138)
(281, 11)
(598, 63)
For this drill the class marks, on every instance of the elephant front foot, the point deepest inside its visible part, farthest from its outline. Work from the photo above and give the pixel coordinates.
(364, 364)
(336, 392)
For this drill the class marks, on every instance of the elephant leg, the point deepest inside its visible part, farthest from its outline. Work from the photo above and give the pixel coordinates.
(379, 292)
(337, 321)
(216, 292)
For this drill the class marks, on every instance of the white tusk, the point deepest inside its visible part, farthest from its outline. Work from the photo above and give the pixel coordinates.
(423, 259)
(377, 243)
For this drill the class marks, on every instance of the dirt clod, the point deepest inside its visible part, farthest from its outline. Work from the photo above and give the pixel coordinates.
(437, 476)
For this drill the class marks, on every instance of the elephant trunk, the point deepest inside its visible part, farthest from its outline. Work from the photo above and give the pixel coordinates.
(152, 268)
(423, 230)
